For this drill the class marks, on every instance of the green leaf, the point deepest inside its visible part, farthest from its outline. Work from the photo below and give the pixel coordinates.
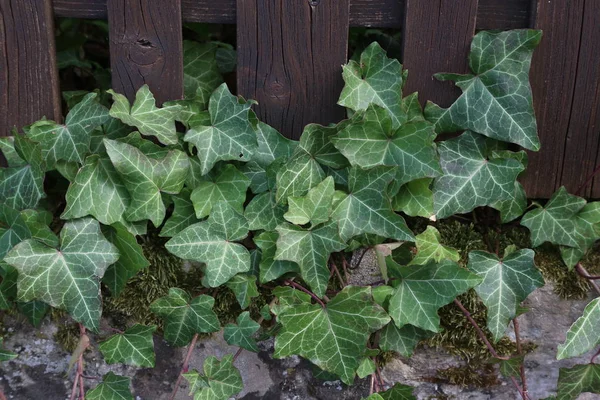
(313, 208)
(7, 147)
(579, 379)
(587, 232)
(244, 288)
(8, 286)
(184, 316)
(37, 221)
(134, 347)
(271, 145)
(183, 215)
(213, 242)
(201, 74)
(365, 368)
(511, 367)
(514, 206)
(473, 177)
(377, 79)
(13, 229)
(415, 199)
(145, 116)
(402, 340)
(429, 248)
(145, 178)
(6, 355)
(230, 186)
(230, 136)
(113, 387)
(397, 392)
(584, 334)
(263, 212)
(241, 334)
(555, 223)
(334, 338)
(310, 249)
(506, 283)
(367, 208)
(67, 278)
(34, 311)
(131, 258)
(422, 290)
(496, 100)
(221, 380)
(71, 141)
(271, 269)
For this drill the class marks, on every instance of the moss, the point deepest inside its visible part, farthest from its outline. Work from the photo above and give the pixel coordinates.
(461, 236)
(567, 284)
(467, 375)
(385, 357)
(67, 336)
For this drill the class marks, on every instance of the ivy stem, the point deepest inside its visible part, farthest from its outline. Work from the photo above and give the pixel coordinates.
(595, 356)
(115, 330)
(345, 266)
(78, 380)
(372, 386)
(587, 181)
(2, 396)
(520, 352)
(184, 366)
(583, 273)
(302, 288)
(337, 272)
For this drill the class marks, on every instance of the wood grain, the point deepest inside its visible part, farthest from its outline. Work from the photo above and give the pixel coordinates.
(146, 47)
(93, 9)
(503, 14)
(28, 74)
(290, 56)
(437, 37)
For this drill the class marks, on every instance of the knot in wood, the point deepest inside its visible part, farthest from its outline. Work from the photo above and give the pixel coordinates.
(277, 89)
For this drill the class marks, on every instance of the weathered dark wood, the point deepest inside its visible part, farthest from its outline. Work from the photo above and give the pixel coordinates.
(209, 11)
(503, 14)
(553, 74)
(146, 47)
(437, 37)
(378, 13)
(290, 55)
(28, 74)
(93, 9)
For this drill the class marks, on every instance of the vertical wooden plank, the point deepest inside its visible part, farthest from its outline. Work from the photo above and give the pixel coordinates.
(553, 73)
(28, 74)
(437, 37)
(146, 47)
(290, 55)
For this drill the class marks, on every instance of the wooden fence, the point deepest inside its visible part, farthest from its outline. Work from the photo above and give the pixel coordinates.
(290, 54)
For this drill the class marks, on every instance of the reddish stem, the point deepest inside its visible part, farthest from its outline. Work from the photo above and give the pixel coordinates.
(78, 380)
(237, 354)
(184, 366)
(337, 272)
(587, 181)
(520, 352)
(302, 288)
(2, 396)
(582, 271)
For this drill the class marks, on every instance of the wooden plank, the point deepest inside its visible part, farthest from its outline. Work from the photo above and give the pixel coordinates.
(503, 14)
(290, 55)
(437, 37)
(92, 9)
(553, 74)
(146, 47)
(377, 13)
(209, 11)
(28, 74)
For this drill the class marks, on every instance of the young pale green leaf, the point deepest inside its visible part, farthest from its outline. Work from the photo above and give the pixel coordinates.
(183, 215)
(113, 387)
(424, 289)
(310, 249)
(230, 136)
(584, 334)
(506, 283)
(496, 100)
(555, 223)
(67, 278)
(473, 177)
(377, 79)
(313, 208)
(264, 213)
(397, 392)
(241, 334)
(145, 116)
(145, 178)
(221, 380)
(402, 340)
(230, 185)
(334, 338)
(429, 248)
(201, 74)
(6, 355)
(244, 288)
(213, 242)
(367, 208)
(184, 316)
(134, 347)
(13, 229)
(579, 379)
(415, 199)
(365, 368)
(271, 269)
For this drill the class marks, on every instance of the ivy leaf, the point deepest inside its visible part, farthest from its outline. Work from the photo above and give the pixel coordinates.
(130, 262)
(367, 208)
(415, 199)
(7, 147)
(145, 116)
(579, 379)
(13, 229)
(213, 242)
(587, 231)
(397, 392)
(230, 186)
(264, 213)
(317, 140)
(315, 207)
(241, 334)
(511, 367)
(38, 222)
(133, 347)
(184, 316)
(271, 145)
(67, 278)
(6, 355)
(8, 286)
(365, 368)
(584, 334)
(310, 249)
(113, 387)
(377, 79)
(244, 288)
(472, 177)
(221, 380)
(514, 206)
(335, 337)
(145, 178)
(496, 100)
(555, 223)
(271, 269)
(422, 290)
(402, 340)
(429, 248)
(34, 311)
(71, 141)
(230, 136)
(183, 215)
(201, 74)
(506, 283)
